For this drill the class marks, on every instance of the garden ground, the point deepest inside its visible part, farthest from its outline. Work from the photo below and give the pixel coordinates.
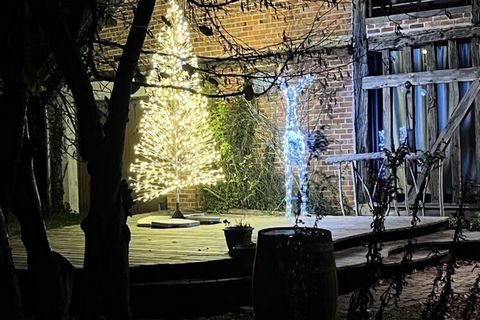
(411, 300)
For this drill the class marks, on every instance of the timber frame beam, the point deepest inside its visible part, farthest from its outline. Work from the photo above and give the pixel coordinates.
(360, 96)
(360, 70)
(476, 13)
(394, 41)
(421, 78)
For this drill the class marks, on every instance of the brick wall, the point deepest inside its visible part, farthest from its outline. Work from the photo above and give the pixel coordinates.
(461, 16)
(259, 28)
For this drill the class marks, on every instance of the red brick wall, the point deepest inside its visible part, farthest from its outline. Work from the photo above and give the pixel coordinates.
(259, 28)
(461, 16)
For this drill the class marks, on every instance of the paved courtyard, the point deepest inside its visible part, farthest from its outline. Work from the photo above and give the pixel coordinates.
(411, 300)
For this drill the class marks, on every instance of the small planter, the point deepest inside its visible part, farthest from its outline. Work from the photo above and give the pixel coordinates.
(236, 236)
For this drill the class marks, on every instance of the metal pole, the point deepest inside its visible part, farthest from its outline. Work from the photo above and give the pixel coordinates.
(355, 196)
(340, 187)
(405, 185)
(440, 188)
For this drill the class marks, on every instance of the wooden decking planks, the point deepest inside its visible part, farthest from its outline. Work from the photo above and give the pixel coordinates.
(202, 243)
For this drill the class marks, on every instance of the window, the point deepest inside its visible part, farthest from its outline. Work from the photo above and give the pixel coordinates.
(378, 8)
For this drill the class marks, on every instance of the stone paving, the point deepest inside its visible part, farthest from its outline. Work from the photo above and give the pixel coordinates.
(419, 286)
(414, 295)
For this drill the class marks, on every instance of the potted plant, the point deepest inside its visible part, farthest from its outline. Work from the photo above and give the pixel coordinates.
(237, 235)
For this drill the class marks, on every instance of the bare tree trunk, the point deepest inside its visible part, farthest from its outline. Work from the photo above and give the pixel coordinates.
(106, 232)
(11, 125)
(56, 148)
(12, 113)
(52, 275)
(10, 301)
(107, 236)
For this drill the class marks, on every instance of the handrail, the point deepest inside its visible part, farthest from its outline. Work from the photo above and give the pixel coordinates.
(366, 156)
(353, 158)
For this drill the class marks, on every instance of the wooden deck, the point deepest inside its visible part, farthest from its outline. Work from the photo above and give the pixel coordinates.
(203, 243)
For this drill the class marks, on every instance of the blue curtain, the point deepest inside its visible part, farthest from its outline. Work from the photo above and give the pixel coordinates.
(420, 96)
(467, 129)
(375, 104)
(443, 111)
(399, 105)
(442, 89)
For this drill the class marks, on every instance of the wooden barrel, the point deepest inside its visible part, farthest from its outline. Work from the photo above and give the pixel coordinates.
(294, 275)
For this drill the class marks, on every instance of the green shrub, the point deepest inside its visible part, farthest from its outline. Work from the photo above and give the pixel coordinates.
(251, 180)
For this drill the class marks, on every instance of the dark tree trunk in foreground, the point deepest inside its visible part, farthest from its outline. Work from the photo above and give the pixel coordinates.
(10, 302)
(18, 189)
(56, 130)
(106, 232)
(50, 274)
(107, 235)
(12, 113)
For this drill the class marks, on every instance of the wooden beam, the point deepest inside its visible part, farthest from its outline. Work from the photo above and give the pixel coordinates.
(419, 14)
(432, 120)
(360, 98)
(365, 156)
(454, 121)
(475, 12)
(393, 41)
(387, 103)
(454, 152)
(354, 157)
(421, 78)
(476, 63)
(360, 70)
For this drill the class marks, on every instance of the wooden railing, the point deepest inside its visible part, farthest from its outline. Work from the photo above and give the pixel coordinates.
(353, 159)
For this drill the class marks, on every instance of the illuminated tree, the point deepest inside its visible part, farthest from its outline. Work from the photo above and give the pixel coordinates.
(176, 148)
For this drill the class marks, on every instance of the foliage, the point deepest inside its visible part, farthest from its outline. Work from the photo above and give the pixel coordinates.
(68, 219)
(471, 224)
(177, 148)
(442, 289)
(474, 223)
(323, 195)
(384, 192)
(251, 181)
(239, 224)
(59, 219)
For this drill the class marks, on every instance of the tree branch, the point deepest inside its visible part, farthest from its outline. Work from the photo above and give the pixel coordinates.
(67, 55)
(120, 97)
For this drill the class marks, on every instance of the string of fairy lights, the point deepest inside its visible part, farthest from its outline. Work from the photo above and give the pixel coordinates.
(176, 148)
(294, 147)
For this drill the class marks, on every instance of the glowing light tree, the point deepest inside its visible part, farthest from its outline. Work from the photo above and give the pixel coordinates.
(294, 146)
(176, 148)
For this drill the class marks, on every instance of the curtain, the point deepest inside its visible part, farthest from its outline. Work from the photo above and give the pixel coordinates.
(399, 105)
(467, 129)
(443, 111)
(420, 96)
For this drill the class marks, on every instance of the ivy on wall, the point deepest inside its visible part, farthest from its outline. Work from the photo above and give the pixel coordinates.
(252, 180)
